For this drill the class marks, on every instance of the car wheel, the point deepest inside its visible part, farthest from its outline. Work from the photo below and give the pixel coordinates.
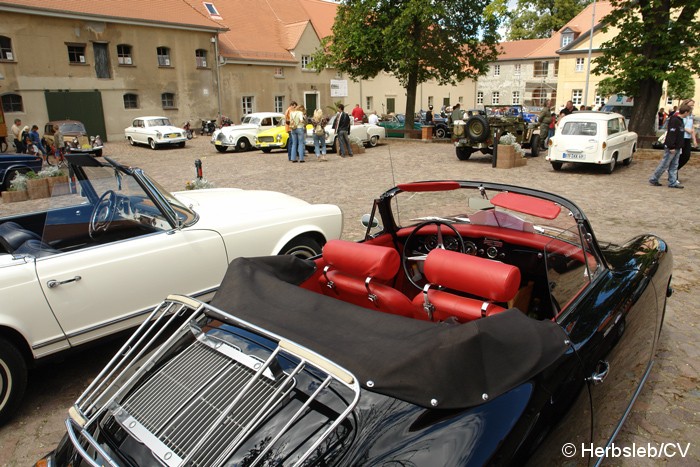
(535, 145)
(557, 165)
(221, 148)
(303, 247)
(463, 153)
(8, 178)
(98, 153)
(242, 145)
(152, 144)
(13, 379)
(266, 150)
(440, 132)
(373, 141)
(478, 128)
(131, 141)
(611, 166)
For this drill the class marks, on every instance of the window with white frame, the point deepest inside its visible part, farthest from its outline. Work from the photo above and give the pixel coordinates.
(306, 62)
(598, 100)
(577, 96)
(540, 69)
(369, 103)
(200, 56)
(567, 39)
(579, 64)
(279, 104)
(247, 104)
(497, 70)
(279, 72)
(124, 54)
(516, 69)
(516, 97)
(163, 54)
(495, 97)
(460, 99)
(6, 49)
(669, 100)
(431, 100)
(480, 97)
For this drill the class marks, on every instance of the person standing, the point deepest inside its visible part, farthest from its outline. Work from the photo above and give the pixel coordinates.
(373, 118)
(319, 122)
(17, 135)
(689, 139)
(358, 114)
(297, 124)
(673, 145)
(429, 116)
(457, 113)
(342, 129)
(569, 108)
(287, 114)
(545, 119)
(661, 118)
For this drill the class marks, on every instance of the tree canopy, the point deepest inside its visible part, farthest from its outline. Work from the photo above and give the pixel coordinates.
(414, 40)
(536, 19)
(658, 41)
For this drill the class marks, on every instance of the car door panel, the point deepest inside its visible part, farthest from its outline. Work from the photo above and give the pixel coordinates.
(149, 267)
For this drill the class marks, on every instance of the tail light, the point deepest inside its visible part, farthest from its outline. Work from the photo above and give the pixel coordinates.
(550, 143)
(605, 144)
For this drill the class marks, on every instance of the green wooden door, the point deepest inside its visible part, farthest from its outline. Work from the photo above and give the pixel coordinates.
(85, 106)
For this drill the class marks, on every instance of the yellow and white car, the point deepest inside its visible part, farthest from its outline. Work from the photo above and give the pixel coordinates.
(241, 137)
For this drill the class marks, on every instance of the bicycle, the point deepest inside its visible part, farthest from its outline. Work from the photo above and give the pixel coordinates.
(55, 157)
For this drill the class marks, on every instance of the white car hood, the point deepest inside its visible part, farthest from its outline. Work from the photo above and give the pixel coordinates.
(246, 126)
(165, 129)
(210, 203)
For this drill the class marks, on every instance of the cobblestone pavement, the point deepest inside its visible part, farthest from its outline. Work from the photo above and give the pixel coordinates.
(619, 206)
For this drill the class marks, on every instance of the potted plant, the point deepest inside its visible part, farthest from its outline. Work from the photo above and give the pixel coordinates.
(510, 154)
(36, 187)
(56, 179)
(356, 145)
(18, 189)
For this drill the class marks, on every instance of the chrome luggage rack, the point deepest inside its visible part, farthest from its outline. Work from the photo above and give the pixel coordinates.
(201, 405)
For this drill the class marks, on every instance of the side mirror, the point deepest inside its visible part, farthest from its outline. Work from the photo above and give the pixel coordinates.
(366, 221)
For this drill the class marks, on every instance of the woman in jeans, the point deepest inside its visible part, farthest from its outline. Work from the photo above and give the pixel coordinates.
(319, 123)
(298, 126)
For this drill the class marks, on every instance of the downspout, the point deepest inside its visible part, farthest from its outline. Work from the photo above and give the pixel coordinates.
(218, 75)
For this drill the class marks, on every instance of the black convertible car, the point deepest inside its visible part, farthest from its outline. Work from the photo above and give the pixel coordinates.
(477, 323)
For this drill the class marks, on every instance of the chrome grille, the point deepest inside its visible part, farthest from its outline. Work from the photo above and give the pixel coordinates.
(201, 405)
(266, 139)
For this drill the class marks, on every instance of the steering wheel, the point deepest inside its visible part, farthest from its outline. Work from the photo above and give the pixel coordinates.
(103, 213)
(409, 263)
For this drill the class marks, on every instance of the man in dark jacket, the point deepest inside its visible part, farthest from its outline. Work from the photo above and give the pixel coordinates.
(673, 145)
(342, 129)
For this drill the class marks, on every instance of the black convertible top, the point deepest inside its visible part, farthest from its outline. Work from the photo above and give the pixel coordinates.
(456, 365)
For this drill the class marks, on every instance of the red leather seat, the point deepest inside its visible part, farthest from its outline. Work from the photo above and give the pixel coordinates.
(494, 282)
(358, 273)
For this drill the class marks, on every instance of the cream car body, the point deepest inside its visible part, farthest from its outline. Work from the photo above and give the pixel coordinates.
(367, 133)
(154, 131)
(588, 137)
(242, 137)
(81, 282)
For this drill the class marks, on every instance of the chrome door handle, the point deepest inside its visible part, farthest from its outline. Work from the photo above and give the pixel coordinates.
(54, 283)
(600, 373)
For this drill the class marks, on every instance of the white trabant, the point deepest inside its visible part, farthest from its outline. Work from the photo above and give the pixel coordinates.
(154, 131)
(367, 133)
(241, 137)
(589, 137)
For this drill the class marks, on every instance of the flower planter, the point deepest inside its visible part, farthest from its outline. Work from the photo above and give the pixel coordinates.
(58, 185)
(14, 196)
(37, 188)
(357, 149)
(505, 158)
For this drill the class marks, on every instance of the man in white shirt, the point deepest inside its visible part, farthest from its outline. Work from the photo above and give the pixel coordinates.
(373, 118)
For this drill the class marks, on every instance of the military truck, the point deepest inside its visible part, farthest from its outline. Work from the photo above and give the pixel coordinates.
(478, 129)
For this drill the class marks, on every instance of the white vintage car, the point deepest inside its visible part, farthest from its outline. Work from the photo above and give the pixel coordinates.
(154, 131)
(367, 133)
(106, 252)
(242, 137)
(592, 138)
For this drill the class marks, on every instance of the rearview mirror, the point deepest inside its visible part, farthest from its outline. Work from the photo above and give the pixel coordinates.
(366, 221)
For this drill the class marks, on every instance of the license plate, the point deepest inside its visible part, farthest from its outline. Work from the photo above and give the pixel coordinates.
(568, 155)
(172, 135)
(217, 143)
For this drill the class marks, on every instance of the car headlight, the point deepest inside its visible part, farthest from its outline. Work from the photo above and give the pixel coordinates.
(76, 143)
(158, 135)
(279, 137)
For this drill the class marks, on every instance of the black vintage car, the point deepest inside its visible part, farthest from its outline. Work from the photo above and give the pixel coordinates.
(12, 164)
(477, 323)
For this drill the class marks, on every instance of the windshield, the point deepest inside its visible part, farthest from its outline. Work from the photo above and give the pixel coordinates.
(504, 111)
(251, 120)
(72, 127)
(158, 122)
(580, 128)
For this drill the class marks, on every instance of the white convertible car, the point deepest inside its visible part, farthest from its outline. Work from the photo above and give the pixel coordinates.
(367, 133)
(242, 137)
(106, 252)
(155, 132)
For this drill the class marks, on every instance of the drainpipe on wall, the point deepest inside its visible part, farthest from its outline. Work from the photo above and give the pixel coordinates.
(215, 40)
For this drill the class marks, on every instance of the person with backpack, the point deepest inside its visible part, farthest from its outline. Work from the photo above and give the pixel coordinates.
(342, 129)
(319, 122)
(297, 125)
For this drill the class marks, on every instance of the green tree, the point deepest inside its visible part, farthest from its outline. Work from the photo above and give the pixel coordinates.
(414, 40)
(536, 19)
(657, 39)
(681, 85)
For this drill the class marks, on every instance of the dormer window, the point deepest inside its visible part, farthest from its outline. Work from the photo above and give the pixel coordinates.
(213, 12)
(567, 39)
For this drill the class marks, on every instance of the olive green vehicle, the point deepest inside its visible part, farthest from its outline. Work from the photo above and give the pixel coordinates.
(478, 129)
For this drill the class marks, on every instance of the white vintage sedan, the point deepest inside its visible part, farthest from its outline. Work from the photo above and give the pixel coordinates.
(242, 137)
(106, 252)
(592, 138)
(155, 132)
(367, 133)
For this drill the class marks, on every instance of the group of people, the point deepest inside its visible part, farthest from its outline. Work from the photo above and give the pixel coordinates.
(548, 119)
(295, 123)
(680, 137)
(27, 140)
